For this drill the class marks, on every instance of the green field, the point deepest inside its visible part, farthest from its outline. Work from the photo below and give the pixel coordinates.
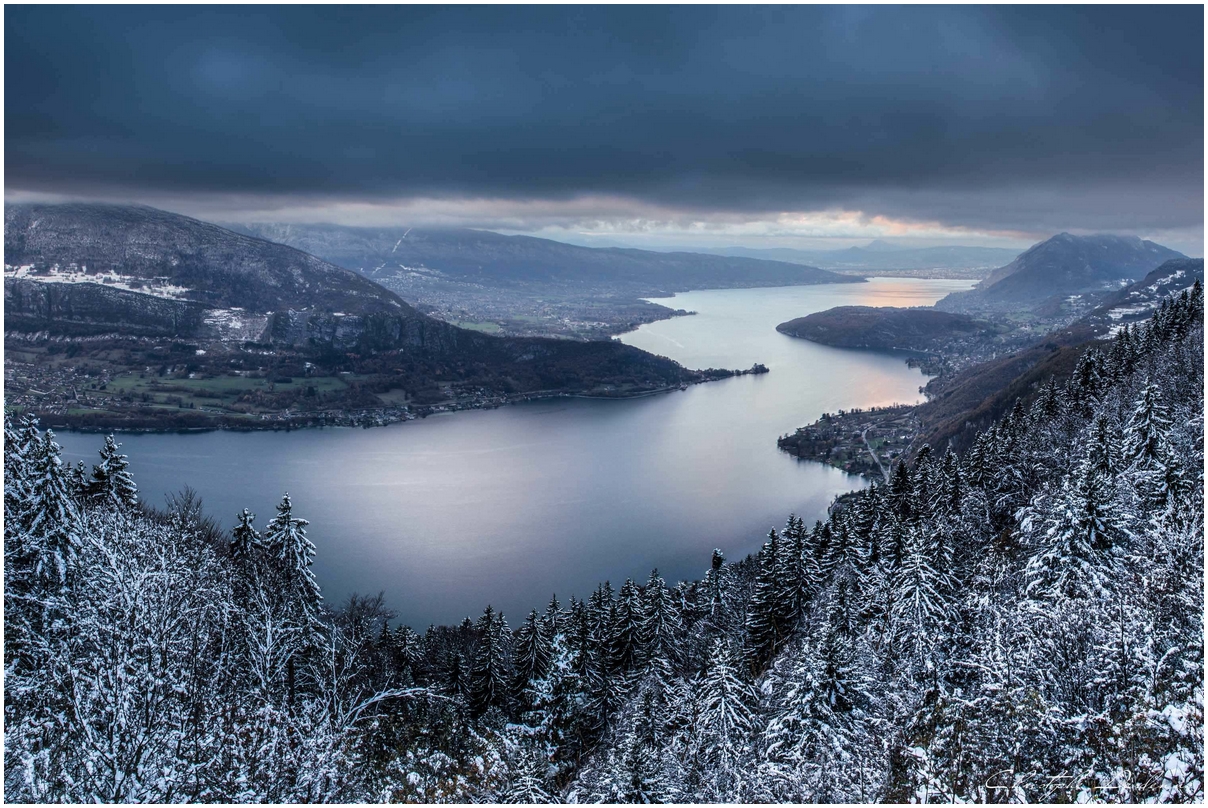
(219, 391)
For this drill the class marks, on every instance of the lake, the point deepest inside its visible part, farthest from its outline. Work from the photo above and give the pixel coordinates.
(508, 506)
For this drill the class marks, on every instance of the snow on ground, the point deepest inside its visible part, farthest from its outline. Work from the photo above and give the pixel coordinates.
(234, 324)
(1124, 311)
(74, 273)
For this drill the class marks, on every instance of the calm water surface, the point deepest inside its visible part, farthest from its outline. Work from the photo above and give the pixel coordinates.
(508, 506)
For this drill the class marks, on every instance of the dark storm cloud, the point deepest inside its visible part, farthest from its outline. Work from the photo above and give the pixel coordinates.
(949, 113)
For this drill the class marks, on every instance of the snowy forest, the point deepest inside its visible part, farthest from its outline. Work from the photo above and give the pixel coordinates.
(1020, 623)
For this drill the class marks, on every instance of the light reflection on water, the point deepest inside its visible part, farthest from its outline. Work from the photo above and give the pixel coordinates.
(508, 506)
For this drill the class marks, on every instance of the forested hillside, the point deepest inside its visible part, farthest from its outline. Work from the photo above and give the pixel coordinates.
(123, 316)
(1020, 623)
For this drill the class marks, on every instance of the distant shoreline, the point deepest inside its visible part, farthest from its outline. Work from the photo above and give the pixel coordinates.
(391, 415)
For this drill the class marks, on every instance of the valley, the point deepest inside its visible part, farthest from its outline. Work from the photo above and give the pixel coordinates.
(510, 504)
(603, 404)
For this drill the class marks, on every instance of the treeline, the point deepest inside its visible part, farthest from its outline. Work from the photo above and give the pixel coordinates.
(1023, 622)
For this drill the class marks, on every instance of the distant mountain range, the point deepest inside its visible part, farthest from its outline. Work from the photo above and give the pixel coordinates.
(880, 256)
(492, 259)
(1063, 265)
(133, 289)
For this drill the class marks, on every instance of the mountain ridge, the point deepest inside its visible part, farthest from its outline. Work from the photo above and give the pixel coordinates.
(878, 255)
(1063, 265)
(248, 332)
(492, 258)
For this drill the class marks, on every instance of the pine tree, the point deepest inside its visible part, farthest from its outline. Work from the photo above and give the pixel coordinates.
(14, 468)
(723, 723)
(1046, 407)
(245, 541)
(901, 492)
(788, 591)
(1121, 357)
(489, 676)
(920, 605)
(891, 542)
(1077, 534)
(1145, 435)
(79, 482)
(600, 611)
(581, 642)
(763, 632)
(457, 678)
(716, 586)
(408, 653)
(51, 540)
(532, 653)
(111, 479)
(977, 459)
(528, 784)
(866, 513)
(642, 780)
(285, 541)
(844, 548)
(661, 626)
(1087, 382)
(627, 650)
(820, 540)
(554, 617)
(1102, 452)
(11, 436)
(799, 566)
(812, 738)
(21, 615)
(951, 486)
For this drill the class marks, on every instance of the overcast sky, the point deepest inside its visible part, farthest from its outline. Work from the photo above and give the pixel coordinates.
(761, 126)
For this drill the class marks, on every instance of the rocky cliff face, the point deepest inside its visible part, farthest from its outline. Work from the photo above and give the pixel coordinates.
(80, 309)
(366, 333)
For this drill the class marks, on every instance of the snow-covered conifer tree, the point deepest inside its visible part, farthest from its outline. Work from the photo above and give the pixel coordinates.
(1144, 437)
(724, 722)
(920, 604)
(532, 653)
(245, 540)
(489, 676)
(763, 630)
(51, 540)
(627, 651)
(1076, 534)
(661, 625)
(111, 480)
(285, 541)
